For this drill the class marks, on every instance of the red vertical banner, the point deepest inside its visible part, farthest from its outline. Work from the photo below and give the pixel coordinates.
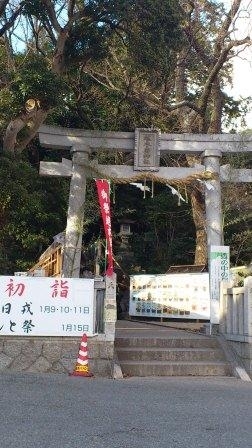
(103, 190)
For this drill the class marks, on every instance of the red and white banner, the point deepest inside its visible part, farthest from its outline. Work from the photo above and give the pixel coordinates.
(104, 201)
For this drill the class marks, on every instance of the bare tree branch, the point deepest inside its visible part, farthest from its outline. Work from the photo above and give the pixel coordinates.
(58, 65)
(205, 58)
(216, 69)
(184, 103)
(230, 16)
(70, 8)
(102, 79)
(52, 15)
(3, 4)
(223, 32)
(49, 30)
(10, 22)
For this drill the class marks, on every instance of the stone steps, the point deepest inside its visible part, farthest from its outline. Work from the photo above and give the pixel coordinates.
(172, 342)
(188, 355)
(171, 368)
(169, 354)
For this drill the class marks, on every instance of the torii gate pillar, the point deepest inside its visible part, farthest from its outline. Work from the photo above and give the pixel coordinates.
(213, 202)
(75, 215)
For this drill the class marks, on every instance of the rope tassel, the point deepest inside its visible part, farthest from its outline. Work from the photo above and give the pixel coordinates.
(144, 187)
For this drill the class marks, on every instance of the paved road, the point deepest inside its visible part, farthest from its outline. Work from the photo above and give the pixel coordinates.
(56, 411)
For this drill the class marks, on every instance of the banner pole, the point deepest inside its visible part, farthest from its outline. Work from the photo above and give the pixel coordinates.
(106, 254)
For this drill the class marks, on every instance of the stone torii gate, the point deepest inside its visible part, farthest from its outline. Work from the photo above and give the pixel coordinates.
(147, 146)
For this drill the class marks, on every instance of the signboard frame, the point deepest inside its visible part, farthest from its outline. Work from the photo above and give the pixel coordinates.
(175, 296)
(219, 258)
(46, 306)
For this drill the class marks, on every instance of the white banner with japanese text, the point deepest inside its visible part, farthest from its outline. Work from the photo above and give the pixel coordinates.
(184, 296)
(46, 306)
(219, 272)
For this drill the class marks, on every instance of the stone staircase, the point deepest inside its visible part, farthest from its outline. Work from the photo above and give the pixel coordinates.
(170, 353)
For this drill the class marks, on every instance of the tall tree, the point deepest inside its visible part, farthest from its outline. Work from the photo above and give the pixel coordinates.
(190, 99)
(71, 34)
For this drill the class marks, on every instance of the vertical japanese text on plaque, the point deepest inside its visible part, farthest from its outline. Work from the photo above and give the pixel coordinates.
(147, 150)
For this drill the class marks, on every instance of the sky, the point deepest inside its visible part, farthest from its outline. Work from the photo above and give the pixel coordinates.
(242, 64)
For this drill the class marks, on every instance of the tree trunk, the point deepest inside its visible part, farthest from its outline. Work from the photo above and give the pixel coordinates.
(198, 211)
(31, 121)
(217, 99)
(190, 121)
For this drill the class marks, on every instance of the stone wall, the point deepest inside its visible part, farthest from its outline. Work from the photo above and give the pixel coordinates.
(55, 354)
(236, 320)
(236, 311)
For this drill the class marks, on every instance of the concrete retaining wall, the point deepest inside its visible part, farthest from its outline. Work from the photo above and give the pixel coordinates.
(244, 352)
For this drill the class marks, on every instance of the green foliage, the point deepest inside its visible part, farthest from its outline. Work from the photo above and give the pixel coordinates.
(32, 211)
(28, 77)
(34, 79)
(86, 41)
(163, 232)
(240, 273)
(85, 105)
(155, 35)
(35, 8)
(234, 112)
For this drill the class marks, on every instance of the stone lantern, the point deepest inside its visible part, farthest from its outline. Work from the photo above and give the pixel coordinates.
(125, 232)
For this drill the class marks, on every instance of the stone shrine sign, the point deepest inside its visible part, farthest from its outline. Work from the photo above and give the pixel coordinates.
(147, 150)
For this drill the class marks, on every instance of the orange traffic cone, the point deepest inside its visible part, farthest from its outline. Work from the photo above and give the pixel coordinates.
(81, 367)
